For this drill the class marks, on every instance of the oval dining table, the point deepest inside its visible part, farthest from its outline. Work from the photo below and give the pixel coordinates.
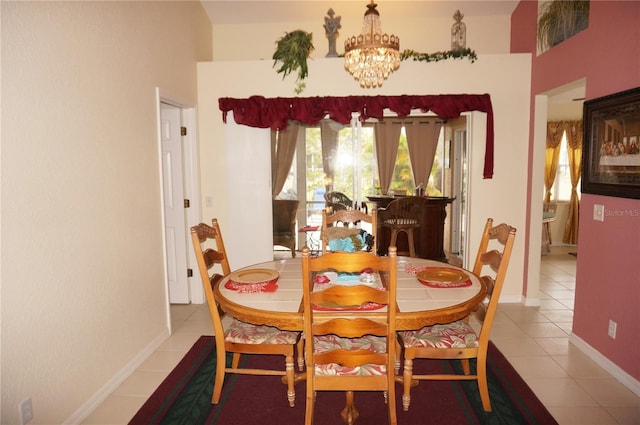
(418, 305)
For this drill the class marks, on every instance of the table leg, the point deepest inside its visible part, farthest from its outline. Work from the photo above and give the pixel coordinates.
(349, 413)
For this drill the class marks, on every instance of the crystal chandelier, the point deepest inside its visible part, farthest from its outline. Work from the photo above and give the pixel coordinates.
(372, 56)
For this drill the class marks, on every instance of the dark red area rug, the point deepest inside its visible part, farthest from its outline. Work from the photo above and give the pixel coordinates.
(184, 398)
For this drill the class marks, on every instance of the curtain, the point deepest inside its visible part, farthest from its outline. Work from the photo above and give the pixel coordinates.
(574, 146)
(552, 155)
(275, 113)
(283, 147)
(329, 138)
(422, 141)
(387, 138)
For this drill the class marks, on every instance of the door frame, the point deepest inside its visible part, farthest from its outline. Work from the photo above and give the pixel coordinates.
(191, 185)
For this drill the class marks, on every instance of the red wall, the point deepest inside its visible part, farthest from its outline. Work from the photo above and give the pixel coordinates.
(607, 54)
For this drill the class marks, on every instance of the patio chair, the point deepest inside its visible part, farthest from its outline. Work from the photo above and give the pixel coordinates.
(338, 201)
(284, 223)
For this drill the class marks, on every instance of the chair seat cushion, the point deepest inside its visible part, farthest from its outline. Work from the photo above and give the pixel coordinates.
(326, 343)
(245, 333)
(451, 335)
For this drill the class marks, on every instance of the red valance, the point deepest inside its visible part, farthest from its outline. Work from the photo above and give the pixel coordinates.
(261, 112)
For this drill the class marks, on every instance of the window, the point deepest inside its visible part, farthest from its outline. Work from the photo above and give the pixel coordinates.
(354, 167)
(561, 189)
(355, 172)
(403, 176)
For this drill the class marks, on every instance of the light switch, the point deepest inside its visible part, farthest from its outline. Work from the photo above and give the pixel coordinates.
(598, 212)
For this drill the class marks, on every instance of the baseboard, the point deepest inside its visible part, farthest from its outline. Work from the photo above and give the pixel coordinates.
(530, 301)
(625, 379)
(510, 299)
(99, 397)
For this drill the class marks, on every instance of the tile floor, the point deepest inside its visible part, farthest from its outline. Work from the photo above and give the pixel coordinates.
(534, 339)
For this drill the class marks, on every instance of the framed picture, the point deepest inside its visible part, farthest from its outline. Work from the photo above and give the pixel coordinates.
(611, 145)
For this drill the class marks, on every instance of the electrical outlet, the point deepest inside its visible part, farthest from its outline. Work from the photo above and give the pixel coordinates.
(598, 212)
(26, 411)
(613, 327)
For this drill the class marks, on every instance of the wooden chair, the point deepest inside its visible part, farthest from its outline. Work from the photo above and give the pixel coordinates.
(403, 215)
(284, 223)
(338, 201)
(349, 350)
(548, 215)
(349, 219)
(231, 335)
(458, 340)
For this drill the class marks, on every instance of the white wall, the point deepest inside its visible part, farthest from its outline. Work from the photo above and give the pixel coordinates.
(504, 77)
(82, 263)
(485, 34)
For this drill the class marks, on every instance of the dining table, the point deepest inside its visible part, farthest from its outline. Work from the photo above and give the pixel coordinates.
(420, 302)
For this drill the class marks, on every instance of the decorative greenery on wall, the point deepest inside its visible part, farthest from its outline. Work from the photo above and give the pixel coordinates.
(292, 51)
(294, 48)
(439, 56)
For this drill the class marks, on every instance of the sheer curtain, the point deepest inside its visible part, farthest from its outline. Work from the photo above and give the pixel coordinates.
(574, 146)
(329, 137)
(387, 138)
(283, 147)
(422, 141)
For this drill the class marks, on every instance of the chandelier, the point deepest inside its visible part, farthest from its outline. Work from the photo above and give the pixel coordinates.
(372, 56)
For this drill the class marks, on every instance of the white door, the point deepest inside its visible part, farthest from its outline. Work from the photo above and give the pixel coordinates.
(174, 208)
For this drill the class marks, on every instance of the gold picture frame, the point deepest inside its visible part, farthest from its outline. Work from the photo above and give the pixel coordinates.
(611, 154)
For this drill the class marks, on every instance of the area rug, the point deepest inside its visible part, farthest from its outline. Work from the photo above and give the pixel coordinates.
(184, 397)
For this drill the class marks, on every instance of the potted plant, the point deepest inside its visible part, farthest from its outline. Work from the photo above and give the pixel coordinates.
(561, 19)
(292, 51)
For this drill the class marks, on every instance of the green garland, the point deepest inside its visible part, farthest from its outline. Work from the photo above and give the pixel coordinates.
(438, 56)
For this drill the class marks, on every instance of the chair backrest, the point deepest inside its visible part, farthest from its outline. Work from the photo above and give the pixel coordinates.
(403, 211)
(549, 210)
(350, 220)
(208, 246)
(338, 201)
(284, 218)
(491, 265)
(354, 323)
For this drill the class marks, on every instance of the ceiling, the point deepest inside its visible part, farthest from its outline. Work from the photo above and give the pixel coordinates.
(264, 11)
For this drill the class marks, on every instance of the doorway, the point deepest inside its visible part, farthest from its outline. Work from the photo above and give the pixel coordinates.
(178, 160)
(563, 103)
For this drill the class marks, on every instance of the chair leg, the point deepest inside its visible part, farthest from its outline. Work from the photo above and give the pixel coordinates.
(308, 412)
(396, 369)
(407, 376)
(300, 351)
(391, 404)
(221, 366)
(235, 361)
(412, 248)
(465, 366)
(394, 237)
(483, 387)
(291, 392)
